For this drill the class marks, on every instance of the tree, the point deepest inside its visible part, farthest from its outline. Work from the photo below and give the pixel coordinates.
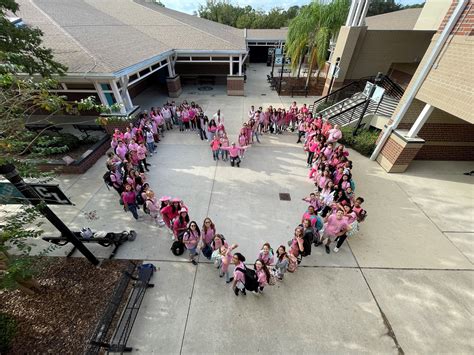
(311, 31)
(22, 55)
(224, 12)
(378, 7)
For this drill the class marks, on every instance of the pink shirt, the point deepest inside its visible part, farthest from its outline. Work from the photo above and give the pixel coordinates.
(208, 235)
(334, 226)
(215, 145)
(121, 151)
(191, 239)
(334, 135)
(234, 151)
(266, 258)
(141, 152)
(128, 197)
(152, 205)
(261, 277)
(239, 275)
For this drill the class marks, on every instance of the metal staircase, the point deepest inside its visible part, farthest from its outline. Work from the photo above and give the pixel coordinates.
(347, 103)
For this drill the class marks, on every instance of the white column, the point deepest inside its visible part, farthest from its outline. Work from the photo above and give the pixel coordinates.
(240, 64)
(171, 72)
(360, 5)
(420, 121)
(124, 92)
(231, 63)
(350, 15)
(364, 12)
(118, 97)
(101, 94)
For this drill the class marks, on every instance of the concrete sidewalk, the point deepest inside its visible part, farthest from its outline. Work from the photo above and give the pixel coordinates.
(405, 280)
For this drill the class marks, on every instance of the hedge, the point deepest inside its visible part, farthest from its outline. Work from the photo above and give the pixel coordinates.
(363, 142)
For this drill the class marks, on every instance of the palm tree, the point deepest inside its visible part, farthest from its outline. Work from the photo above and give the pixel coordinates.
(311, 31)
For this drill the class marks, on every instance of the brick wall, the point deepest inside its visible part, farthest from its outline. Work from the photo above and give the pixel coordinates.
(235, 85)
(464, 26)
(441, 152)
(83, 166)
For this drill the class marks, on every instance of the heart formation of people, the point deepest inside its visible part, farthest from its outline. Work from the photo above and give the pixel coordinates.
(333, 212)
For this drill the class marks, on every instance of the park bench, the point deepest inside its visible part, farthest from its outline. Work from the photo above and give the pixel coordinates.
(119, 340)
(86, 128)
(40, 127)
(105, 240)
(299, 90)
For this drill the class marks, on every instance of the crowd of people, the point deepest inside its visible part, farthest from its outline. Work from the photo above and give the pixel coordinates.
(333, 211)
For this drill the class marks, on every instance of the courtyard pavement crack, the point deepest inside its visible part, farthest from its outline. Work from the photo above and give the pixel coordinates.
(197, 266)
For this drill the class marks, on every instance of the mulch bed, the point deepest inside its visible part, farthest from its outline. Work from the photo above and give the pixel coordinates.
(62, 317)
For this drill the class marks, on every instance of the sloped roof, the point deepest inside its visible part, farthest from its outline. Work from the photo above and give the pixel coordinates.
(267, 34)
(103, 36)
(397, 20)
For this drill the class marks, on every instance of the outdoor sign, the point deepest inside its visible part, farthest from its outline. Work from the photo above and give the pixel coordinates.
(368, 87)
(335, 71)
(378, 94)
(279, 60)
(50, 194)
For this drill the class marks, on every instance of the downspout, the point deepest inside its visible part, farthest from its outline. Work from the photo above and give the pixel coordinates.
(350, 15)
(421, 78)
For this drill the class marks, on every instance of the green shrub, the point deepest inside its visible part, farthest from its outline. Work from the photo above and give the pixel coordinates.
(363, 142)
(324, 105)
(7, 331)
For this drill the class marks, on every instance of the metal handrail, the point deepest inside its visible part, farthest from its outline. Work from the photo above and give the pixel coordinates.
(347, 110)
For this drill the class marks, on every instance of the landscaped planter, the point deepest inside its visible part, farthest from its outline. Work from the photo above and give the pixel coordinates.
(121, 121)
(81, 165)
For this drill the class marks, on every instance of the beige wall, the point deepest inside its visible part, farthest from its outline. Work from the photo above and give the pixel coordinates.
(432, 14)
(449, 84)
(346, 43)
(376, 50)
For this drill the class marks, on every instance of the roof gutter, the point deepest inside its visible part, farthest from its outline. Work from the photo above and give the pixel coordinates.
(143, 64)
(210, 52)
(410, 95)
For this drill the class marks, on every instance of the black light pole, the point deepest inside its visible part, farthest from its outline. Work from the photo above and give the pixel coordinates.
(11, 174)
(377, 79)
(338, 59)
(281, 74)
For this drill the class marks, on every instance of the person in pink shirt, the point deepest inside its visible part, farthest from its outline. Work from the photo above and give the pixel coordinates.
(296, 244)
(208, 231)
(225, 259)
(314, 200)
(325, 128)
(334, 227)
(218, 241)
(132, 145)
(239, 277)
(141, 155)
(127, 135)
(234, 152)
(328, 151)
(215, 145)
(129, 201)
(263, 275)
(224, 143)
(153, 207)
(334, 134)
(180, 224)
(191, 240)
(323, 179)
(242, 143)
(118, 135)
(266, 254)
(121, 150)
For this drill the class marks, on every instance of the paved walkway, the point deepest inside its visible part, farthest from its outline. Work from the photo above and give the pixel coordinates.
(406, 280)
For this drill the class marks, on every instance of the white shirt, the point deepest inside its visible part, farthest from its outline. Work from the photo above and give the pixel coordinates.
(216, 118)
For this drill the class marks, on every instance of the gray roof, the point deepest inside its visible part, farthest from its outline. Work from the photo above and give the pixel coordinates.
(103, 36)
(267, 34)
(397, 20)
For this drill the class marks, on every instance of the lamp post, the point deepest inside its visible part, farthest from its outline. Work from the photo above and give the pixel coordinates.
(11, 174)
(377, 80)
(281, 74)
(336, 66)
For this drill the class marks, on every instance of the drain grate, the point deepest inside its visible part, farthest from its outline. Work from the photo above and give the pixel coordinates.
(205, 88)
(263, 94)
(285, 197)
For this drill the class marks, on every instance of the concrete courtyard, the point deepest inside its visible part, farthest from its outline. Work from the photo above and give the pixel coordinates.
(403, 284)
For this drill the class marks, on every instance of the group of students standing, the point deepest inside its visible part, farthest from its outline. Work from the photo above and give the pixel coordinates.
(333, 212)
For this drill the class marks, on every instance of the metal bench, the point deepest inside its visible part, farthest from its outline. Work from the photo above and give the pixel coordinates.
(119, 340)
(115, 239)
(40, 127)
(86, 128)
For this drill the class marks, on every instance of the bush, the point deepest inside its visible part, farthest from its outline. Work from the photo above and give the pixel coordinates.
(7, 331)
(363, 142)
(324, 105)
(48, 143)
